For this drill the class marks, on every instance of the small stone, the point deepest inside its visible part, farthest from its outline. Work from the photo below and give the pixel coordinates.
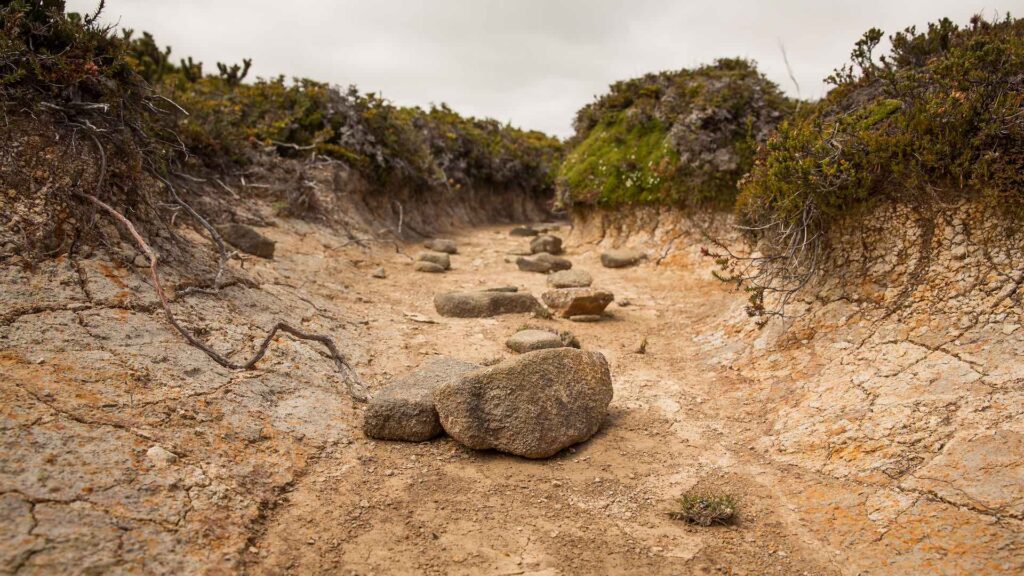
(533, 405)
(530, 340)
(404, 410)
(247, 239)
(585, 318)
(522, 231)
(140, 261)
(568, 302)
(442, 245)
(428, 267)
(543, 263)
(621, 258)
(440, 258)
(546, 243)
(502, 289)
(380, 273)
(570, 279)
(484, 304)
(160, 456)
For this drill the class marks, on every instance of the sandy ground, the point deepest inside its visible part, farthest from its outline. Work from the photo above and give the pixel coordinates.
(271, 473)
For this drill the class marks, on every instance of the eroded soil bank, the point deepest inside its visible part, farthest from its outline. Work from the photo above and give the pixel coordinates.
(866, 445)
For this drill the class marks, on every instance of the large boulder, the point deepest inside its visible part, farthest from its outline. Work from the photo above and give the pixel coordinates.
(543, 263)
(442, 245)
(404, 410)
(570, 279)
(439, 258)
(247, 239)
(485, 303)
(546, 243)
(621, 257)
(568, 302)
(532, 405)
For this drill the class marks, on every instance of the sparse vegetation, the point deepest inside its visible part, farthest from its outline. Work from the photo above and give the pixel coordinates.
(676, 138)
(705, 509)
(940, 118)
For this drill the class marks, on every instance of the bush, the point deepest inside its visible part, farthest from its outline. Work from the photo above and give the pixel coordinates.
(229, 122)
(938, 119)
(705, 509)
(677, 138)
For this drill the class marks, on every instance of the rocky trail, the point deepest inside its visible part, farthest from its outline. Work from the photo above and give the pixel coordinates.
(129, 451)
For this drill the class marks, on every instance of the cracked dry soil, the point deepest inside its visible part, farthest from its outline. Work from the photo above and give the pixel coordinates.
(916, 467)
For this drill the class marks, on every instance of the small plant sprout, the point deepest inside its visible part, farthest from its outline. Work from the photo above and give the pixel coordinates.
(705, 509)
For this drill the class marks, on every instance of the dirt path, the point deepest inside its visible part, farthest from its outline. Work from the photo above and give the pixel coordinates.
(676, 422)
(269, 473)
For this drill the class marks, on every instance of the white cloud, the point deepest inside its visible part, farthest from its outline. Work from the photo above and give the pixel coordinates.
(531, 62)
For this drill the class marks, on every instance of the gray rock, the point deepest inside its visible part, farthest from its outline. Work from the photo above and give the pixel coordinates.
(428, 267)
(546, 243)
(502, 289)
(570, 279)
(568, 302)
(522, 231)
(530, 340)
(621, 258)
(585, 318)
(404, 410)
(543, 263)
(247, 239)
(532, 405)
(440, 258)
(380, 273)
(484, 304)
(442, 245)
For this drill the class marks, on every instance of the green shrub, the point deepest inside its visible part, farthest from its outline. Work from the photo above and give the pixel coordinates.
(705, 509)
(940, 117)
(677, 138)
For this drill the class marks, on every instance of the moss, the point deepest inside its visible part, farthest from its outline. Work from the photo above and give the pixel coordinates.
(677, 138)
(620, 162)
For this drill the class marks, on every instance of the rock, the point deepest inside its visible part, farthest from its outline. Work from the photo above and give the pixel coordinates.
(530, 340)
(567, 302)
(502, 289)
(247, 239)
(428, 267)
(522, 231)
(440, 258)
(160, 456)
(570, 279)
(546, 243)
(380, 273)
(585, 318)
(543, 263)
(621, 258)
(532, 405)
(484, 304)
(404, 410)
(442, 245)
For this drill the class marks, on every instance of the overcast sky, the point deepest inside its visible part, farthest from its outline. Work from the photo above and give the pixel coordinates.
(530, 62)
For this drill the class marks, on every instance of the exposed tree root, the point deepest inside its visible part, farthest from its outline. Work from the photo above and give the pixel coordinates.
(356, 388)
